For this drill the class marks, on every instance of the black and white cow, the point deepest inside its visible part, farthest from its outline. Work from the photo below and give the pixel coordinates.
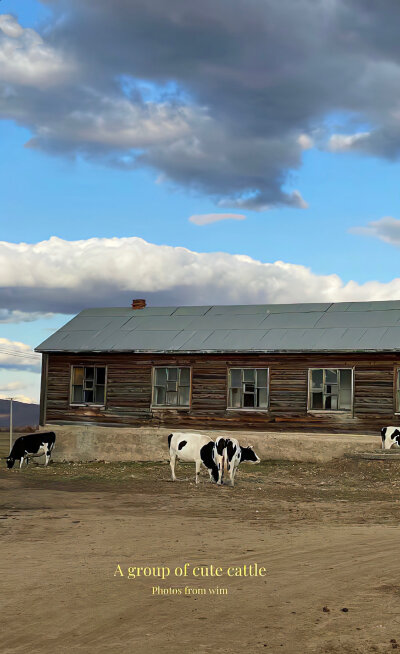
(390, 436)
(229, 454)
(31, 445)
(192, 448)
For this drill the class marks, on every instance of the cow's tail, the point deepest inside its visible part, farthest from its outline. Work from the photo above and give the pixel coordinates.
(169, 441)
(383, 435)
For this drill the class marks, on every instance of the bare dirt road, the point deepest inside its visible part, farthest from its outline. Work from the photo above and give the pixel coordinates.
(327, 534)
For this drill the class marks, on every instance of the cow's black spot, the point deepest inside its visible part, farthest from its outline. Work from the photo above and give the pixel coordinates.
(181, 445)
(221, 446)
(231, 449)
(206, 455)
(169, 440)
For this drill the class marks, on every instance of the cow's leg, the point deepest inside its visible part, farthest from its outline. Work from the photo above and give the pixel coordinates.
(48, 455)
(21, 462)
(221, 464)
(198, 465)
(172, 461)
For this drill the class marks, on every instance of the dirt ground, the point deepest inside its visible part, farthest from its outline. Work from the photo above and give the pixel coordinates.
(327, 534)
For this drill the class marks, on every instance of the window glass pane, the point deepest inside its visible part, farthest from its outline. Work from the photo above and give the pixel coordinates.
(89, 373)
(101, 375)
(235, 395)
(78, 376)
(331, 376)
(100, 394)
(316, 400)
(77, 394)
(184, 378)
(236, 378)
(316, 379)
(159, 395)
(249, 375)
(172, 385)
(345, 399)
(160, 376)
(172, 398)
(184, 395)
(331, 402)
(248, 388)
(262, 398)
(248, 399)
(88, 396)
(262, 378)
(172, 374)
(345, 379)
(331, 389)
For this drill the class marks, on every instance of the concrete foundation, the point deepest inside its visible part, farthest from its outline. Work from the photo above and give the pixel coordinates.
(93, 443)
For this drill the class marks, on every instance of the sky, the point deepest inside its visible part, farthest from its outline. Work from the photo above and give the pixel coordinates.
(244, 151)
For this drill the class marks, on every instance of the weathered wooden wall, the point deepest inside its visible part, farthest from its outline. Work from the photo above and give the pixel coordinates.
(129, 392)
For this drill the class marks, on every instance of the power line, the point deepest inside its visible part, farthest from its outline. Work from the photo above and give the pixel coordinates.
(20, 355)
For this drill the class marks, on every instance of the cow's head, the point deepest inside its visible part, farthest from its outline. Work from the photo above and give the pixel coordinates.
(10, 462)
(249, 455)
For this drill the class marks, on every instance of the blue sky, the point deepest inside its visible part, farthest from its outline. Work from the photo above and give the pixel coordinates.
(74, 183)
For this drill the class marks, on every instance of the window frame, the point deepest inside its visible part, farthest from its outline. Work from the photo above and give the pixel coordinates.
(71, 377)
(396, 391)
(331, 411)
(247, 409)
(179, 407)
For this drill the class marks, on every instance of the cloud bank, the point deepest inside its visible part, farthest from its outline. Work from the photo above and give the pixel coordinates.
(222, 98)
(65, 277)
(387, 229)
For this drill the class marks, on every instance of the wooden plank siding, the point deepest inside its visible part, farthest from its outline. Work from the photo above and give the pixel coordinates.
(129, 391)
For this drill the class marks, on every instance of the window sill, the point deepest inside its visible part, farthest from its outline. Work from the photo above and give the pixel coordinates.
(329, 411)
(98, 406)
(174, 408)
(247, 410)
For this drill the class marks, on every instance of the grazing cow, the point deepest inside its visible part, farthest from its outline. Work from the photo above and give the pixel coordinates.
(229, 454)
(31, 445)
(194, 448)
(390, 436)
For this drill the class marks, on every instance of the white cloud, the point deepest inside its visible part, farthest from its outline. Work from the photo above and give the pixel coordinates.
(207, 218)
(25, 59)
(16, 390)
(343, 142)
(387, 229)
(67, 276)
(305, 141)
(17, 355)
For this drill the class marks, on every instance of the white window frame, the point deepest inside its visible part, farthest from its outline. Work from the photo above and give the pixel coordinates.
(247, 409)
(330, 411)
(180, 407)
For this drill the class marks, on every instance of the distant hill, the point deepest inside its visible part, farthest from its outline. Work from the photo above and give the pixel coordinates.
(23, 414)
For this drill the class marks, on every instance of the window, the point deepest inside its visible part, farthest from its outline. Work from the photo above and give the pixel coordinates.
(171, 387)
(330, 389)
(88, 385)
(248, 388)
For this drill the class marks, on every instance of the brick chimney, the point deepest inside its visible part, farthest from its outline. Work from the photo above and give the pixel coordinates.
(138, 304)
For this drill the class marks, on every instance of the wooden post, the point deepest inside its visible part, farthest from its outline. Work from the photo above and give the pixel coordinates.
(11, 424)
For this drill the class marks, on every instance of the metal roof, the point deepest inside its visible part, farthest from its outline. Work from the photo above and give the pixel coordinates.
(316, 327)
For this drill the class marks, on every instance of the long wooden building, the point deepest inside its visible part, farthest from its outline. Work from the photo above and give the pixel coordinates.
(321, 366)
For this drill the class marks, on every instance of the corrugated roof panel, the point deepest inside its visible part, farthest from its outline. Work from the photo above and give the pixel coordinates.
(146, 340)
(287, 320)
(76, 341)
(158, 323)
(83, 323)
(196, 341)
(237, 339)
(360, 319)
(191, 311)
(226, 322)
(106, 311)
(390, 340)
(382, 305)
